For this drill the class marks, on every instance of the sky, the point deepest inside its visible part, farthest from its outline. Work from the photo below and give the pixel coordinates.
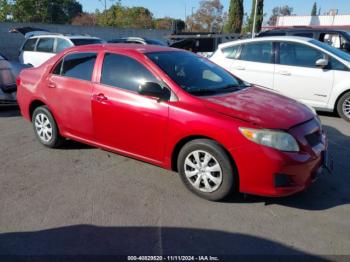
(180, 8)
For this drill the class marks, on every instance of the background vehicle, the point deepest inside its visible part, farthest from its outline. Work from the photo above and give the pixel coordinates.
(177, 110)
(39, 46)
(137, 40)
(336, 38)
(8, 73)
(302, 68)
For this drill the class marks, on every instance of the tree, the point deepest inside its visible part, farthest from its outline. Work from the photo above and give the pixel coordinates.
(5, 10)
(235, 17)
(259, 16)
(84, 19)
(279, 11)
(209, 16)
(314, 9)
(46, 11)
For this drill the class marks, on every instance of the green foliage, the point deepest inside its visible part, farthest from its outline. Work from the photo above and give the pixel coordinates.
(5, 10)
(279, 11)
(259, 16)
(235, 17)
(46, 11)
(314, 9)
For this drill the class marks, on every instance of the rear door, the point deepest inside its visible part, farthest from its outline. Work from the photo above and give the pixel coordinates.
(297, 76)
(69, 90)
(255, 63)
(44, 51)
(27, 53)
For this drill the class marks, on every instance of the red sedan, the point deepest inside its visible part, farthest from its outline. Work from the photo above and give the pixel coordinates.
(174, 109)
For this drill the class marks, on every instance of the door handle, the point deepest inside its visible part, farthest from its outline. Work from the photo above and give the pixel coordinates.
(100, 97)
(52, 85)
(240, 68)
(285, 73)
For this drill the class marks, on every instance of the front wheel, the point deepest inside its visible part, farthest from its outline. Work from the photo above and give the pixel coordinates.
(343, 106)
(206, 169)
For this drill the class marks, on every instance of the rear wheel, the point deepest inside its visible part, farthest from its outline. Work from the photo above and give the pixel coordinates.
(45, 127)
(206, 169)
(343, 106)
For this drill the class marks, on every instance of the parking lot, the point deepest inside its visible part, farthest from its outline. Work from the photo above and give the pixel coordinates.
(83, 200)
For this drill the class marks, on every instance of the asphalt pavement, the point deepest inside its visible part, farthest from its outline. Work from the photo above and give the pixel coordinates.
(83, 200)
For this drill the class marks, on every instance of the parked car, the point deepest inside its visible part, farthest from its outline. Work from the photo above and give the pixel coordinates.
(302, 68)
(174, 109)
(40, 45)
(137, 40)
(337, 38)
(9, 70)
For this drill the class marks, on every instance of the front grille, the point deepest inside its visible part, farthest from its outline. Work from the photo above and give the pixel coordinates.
(314, 138)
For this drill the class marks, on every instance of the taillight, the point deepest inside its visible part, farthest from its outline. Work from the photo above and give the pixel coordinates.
(18, 81)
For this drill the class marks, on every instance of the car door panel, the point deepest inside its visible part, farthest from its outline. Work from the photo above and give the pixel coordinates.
(297, 76)
(123, 119)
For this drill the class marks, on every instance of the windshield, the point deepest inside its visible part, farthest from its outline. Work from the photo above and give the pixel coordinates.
(194, 74)
(86, 41)
(333, 50)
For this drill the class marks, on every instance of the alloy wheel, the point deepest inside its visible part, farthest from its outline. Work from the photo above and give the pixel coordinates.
(43, 127)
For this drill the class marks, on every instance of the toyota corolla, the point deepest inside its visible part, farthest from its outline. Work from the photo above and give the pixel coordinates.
(179, 111)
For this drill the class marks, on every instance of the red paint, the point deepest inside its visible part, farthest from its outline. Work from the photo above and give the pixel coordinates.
(144, 128)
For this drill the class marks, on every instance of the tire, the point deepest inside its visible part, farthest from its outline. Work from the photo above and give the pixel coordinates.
(343, 106)
(45, 127)
(219, 171)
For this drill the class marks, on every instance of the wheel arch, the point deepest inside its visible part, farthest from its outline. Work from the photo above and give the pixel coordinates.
(33, 105)
(338, 98)
(179, 145)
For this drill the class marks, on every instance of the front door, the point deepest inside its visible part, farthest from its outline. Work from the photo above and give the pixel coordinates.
(297, 76)
(123, 119)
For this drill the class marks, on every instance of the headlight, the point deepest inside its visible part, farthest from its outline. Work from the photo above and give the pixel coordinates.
(276, 139)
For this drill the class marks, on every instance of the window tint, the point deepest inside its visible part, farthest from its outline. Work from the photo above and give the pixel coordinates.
(124, 72)
(309, 35)
(45, 45)
(57, 69)
(79, 65)
(336, 65)
(62, 44)
(272, 34)
(231, 51)
(30, 44)
(294, 54)
(85, 41)
(257, 52)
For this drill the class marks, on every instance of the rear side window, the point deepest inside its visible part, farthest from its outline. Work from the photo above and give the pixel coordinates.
(45, 45)
(78, 65)
(62, 44)
(124, 72)
(309, 35)
(30, 44)
(257, 52)
(231, 51)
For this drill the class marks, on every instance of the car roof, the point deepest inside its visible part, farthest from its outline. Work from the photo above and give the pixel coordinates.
(138, 48)
(302, 29)
(64, 36)
(298, 39)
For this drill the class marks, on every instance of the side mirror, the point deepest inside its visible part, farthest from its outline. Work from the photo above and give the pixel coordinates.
(321, 63)
(345, 46)
(154, 90)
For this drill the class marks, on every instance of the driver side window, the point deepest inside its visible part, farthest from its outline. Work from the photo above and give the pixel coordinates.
(294, 54)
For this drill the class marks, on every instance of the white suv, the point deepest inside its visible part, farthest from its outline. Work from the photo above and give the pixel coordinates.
(302, 68)
(39, 48)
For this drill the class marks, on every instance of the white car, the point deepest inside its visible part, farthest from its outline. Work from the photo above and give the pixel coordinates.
(302, 68)
(41, 46)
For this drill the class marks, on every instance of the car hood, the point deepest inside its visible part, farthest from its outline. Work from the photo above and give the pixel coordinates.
(261, 108)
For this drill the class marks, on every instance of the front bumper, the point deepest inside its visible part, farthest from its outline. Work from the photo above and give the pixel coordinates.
(269, 172)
